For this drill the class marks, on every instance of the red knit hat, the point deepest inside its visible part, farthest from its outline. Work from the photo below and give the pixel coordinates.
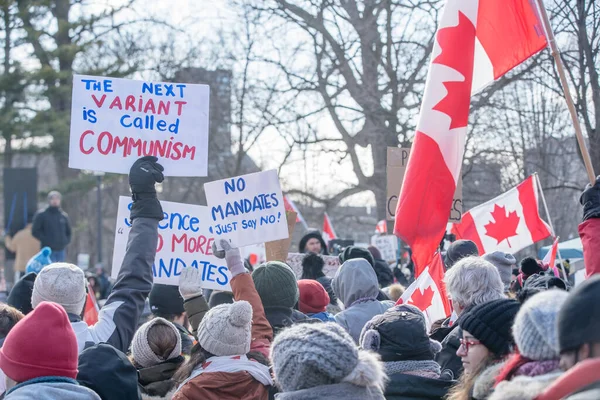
(41, 344)
(313, 296)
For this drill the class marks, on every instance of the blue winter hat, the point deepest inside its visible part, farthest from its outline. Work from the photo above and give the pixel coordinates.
(39, 261)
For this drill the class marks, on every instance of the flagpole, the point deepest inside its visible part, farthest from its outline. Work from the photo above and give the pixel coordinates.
(539, 184)
(565, 87)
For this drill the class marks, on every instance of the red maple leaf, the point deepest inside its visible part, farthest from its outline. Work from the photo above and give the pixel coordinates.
(422, 300)
(502, 225)
(458, 52)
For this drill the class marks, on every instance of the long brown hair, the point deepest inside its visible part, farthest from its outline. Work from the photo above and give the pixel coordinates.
(463, 389)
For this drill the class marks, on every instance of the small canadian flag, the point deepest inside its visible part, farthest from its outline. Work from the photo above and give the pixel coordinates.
(508, 223)
(90, 315)
(328, 231)
(550, 257)
(381, 227)
(428, 292)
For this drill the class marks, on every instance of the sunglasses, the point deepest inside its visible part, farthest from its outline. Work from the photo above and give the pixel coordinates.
(466, 343)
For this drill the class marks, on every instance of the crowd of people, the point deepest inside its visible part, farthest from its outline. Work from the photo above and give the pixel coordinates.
(522, 334)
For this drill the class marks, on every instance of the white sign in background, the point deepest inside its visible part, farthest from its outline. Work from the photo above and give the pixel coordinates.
(184, 241)
(116, 121)
(247, 209)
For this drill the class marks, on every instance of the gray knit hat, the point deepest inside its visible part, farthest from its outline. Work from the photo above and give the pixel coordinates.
(63, 284)
(276, 284)
(504, 263)
(536, 325)
(140, 346)
(309, 355)
(226, 329)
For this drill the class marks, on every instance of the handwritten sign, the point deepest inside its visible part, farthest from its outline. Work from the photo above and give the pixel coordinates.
(387, 246)
(247, 209)
(116, 121)
(397, 159)
(183, 242)
(294, 260)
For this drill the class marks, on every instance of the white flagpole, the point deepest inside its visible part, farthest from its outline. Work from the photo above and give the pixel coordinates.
(541, 191)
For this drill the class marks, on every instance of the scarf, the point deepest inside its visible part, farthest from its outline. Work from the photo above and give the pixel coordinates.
(424, 368)
(536, 368)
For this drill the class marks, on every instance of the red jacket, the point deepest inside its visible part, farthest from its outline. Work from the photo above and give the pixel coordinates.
(589, 231)
(577, 378)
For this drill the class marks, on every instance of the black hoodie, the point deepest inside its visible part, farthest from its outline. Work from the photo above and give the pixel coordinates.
(313, 235)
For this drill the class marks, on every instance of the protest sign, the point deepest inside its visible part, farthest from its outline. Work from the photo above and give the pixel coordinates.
(294, 260)
(397, 159)
(247, 209)
(116, 121)
(183, 242)
(277, 250)
(387, 246)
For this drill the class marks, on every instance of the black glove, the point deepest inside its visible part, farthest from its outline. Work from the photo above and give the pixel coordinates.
(144, 174)
(590, 200)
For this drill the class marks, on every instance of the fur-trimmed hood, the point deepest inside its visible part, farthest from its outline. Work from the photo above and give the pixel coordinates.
(524, 387)
(484, 384)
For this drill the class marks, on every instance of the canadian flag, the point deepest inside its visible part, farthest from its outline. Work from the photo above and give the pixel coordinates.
(290, 206)
(476, 43)
(381, 227)
(90, 315)
(428, 292)
(507, 223)
(328, 231)
(550, 257)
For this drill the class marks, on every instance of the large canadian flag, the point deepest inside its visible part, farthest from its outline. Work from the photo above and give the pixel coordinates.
(477, 42)
(428, 292)
(328, 231)
(507, 223)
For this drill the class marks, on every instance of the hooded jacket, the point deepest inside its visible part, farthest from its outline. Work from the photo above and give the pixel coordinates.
(52, 228)
(356, 285)
(51, 388)
(313, 235)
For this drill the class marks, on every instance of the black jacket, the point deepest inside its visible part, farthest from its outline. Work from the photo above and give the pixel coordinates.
(449, 336)
(158, 379)
(282, 317)
(52, 228)
(412, 387)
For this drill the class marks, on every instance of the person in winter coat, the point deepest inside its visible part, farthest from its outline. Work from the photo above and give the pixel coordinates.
(312, 268)
(109, 373)
(39, 358)
(578, 345)
(589, 229)
(470, 282)
(52, 227)
(535, 364)
(458, 250)
(505, 263)
(313, 300)
(486, 342)
(277, 287)
(538, 283)
(313, 242)
(385, 276)
(156, 353)
(166, 302)
(25, 246)
(529, 267)
(320, 361)
(65, 284)
(356, 285)
(400, 338)
(229, 361)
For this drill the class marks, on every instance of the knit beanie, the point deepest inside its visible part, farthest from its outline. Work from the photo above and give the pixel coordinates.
(353, 252)
(166, 300)
(39, 261)
(140, 346)
(536, 325)
(41, 344)
(61, 283)
(579, 317)
(217, 298)
(313, 297)
(20, 295)
(310, 355)
(491, 324)
(276, 284)
(459, 249)
(399, 334)
(226, 329)
(504, 263)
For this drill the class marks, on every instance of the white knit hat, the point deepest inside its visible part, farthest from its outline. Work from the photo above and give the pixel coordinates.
(226, 329)
(63, 284)
(140, 346)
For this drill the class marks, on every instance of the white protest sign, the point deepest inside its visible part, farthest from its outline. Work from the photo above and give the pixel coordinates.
(183, 242)
(116, 121)
(387, 246)
(247, 209)
(294, 260)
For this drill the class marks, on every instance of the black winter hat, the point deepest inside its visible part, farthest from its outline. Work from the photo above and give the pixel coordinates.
(20, 295)
(108, 372)
(218, 298)
(399, 334)
(579, 317)
(491, 323)
(352, 252)
(530, 266)
(459, 249)
(539, 283)
(313, 235)
(166, 300)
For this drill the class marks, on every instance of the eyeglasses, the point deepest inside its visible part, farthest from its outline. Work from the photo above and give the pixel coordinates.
(466, 343)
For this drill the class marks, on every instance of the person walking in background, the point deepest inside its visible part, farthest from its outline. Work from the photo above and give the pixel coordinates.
(25, 246)
(52, 227)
